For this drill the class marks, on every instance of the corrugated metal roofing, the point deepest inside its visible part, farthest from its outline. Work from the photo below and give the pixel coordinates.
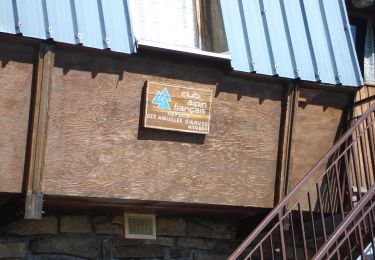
(102, 24)
(306, 39)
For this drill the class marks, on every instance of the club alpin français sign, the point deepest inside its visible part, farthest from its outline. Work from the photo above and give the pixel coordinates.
(177, 108)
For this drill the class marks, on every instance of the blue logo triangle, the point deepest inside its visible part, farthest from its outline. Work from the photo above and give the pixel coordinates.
(162, 99)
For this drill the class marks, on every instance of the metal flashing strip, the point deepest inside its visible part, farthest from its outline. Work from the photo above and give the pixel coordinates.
(186, 50)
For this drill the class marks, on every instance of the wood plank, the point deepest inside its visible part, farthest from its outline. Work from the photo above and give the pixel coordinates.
(318, 127)
(292, 137)
(97, 147)
(34, 195)
(210, 26)
(363, 100)
(286, 144)
(16, 74)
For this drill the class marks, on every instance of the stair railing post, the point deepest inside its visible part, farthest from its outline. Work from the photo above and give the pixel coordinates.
(282, 238)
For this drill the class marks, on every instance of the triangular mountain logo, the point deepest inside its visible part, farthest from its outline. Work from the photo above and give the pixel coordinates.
(162, 99)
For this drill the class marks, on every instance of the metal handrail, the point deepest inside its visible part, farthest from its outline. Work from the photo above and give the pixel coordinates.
(280, 211)
(345, 224)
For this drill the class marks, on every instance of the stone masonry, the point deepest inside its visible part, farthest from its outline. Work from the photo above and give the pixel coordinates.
(102, 237)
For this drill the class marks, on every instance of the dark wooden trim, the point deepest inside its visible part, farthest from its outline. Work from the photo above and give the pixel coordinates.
(38, 134)
(286, 144)
(291, 138)
(328, 87)
(362, 14)
(283, 135)
(19, 39)
(58, 204)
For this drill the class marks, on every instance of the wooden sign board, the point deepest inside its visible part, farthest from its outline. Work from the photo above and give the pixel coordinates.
(177, 108)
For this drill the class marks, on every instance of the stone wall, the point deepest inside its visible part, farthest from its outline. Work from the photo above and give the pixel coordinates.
(102, 237)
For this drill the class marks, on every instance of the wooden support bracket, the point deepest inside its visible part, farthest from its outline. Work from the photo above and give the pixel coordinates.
(38, 131)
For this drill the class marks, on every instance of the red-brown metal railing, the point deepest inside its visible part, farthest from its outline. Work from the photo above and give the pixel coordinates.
(359, 224)
(304, 220)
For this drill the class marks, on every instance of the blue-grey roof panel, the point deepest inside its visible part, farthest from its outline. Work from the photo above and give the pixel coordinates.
(339, 31)
(305, 39)
(261, 61)
(32, 20)
(239, 42)
(320, 42)
(61, 22)
(102, 24)
(7, 17)
(304, 62)
(278, 37)
(118, 38)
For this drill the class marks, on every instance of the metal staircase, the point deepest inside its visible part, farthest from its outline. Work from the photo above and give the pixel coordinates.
(330, 214)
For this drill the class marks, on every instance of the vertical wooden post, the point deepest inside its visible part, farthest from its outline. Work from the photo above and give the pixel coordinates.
(286, 143)
(38, 134)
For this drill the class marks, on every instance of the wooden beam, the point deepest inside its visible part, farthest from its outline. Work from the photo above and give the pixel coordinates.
(286, 144)
(58, 204)
(291, 138)
(38, 128)
(198, 16)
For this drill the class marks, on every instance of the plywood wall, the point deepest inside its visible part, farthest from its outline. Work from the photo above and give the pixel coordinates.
(97, 148)
(321, 116)
(16, 72)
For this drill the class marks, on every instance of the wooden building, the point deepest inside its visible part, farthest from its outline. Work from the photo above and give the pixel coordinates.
(73, 89)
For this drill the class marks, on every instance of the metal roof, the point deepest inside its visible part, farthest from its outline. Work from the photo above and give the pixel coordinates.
(306, 39)
(102, 24)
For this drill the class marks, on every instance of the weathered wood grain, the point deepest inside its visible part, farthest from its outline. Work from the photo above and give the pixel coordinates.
(210, 26)
(96, 146)
(318, 127)
(34, 196)
(363, 148)
(16, 72)
(286, 144)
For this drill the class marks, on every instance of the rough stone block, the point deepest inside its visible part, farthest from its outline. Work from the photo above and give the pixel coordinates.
(107, 249)
(108, 229)
(54, 257)
(75, 224)
(169, 226)
(121, 241)
(118, 220)
(80, 247)
(198, 243)
(44, 226)
(160, 241)
(12, 250)
(103, 225)
(139, 252)
(209, 256)
(210, 229)
(180, 253)
(101, 219)
(227, 246)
